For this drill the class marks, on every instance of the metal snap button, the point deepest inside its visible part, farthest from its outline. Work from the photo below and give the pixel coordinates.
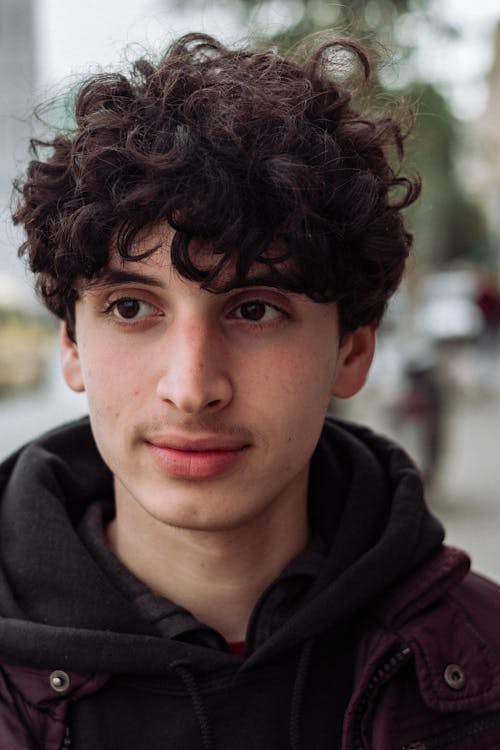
(454, 676)
(59, 681)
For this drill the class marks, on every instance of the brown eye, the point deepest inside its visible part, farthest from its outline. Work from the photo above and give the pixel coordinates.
(130, 308)
(127, 308)
(258, 311)
(254, 310)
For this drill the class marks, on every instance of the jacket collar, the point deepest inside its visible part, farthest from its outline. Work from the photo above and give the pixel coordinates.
(437, 613)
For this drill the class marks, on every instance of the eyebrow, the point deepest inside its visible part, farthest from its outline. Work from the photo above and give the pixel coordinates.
(116, 276)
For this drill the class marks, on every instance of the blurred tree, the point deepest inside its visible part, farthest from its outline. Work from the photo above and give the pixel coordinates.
(448, 224)
(285, 22)
(293, 19)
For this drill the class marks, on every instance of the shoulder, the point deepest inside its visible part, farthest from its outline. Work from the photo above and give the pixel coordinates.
(447, 614)
(462, 608)
(479, 596)
(443, 581)
(449, 620)
(429, 659)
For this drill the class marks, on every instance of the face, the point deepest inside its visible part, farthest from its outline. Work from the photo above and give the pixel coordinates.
(206, 407)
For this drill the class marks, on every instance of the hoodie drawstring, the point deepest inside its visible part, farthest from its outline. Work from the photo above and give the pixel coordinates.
(184, 673)
(298, 693)
(182, 670)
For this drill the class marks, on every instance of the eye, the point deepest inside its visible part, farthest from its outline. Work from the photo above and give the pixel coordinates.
(130, 308)
(257, 311)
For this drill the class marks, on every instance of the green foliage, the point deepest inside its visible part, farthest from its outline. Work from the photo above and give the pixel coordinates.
(363, 19)
(448, 225)
(285, 22)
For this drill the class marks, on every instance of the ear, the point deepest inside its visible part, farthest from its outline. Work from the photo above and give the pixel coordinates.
(70, 361)
(355, 357)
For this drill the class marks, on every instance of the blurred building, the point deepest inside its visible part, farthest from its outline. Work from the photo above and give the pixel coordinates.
(17, 72)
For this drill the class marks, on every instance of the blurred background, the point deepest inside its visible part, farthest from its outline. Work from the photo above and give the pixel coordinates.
(435, 384)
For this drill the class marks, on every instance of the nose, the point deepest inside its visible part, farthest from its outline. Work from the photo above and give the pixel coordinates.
(195, 376)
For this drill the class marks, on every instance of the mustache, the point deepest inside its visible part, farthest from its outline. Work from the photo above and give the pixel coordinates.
(192, 427)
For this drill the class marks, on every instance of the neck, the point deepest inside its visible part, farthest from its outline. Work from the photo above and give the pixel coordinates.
(216, 575)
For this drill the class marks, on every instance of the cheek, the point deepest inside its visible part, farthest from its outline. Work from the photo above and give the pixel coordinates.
(311, 373)
(110, 377)
(266, 377)
(291, 388)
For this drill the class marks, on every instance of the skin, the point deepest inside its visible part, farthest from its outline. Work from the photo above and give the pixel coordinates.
(207, 408)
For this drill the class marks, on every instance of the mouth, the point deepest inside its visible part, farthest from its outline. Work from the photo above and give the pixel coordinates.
(197, 459)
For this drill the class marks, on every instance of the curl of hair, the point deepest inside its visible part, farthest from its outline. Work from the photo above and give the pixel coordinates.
(241, 148)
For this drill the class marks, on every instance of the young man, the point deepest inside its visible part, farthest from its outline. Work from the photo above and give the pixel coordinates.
(208, 562)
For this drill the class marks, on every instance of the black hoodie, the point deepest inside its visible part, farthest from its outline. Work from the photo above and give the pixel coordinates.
(67, 602)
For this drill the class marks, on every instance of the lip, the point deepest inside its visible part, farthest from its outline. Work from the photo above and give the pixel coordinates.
(197, 459)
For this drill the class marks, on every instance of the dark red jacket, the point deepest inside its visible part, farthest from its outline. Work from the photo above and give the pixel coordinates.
(427, 672)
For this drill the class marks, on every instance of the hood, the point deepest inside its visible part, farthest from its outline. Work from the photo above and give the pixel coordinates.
(367, 509)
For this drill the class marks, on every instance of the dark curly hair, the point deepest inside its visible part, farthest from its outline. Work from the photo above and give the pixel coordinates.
(245, 149)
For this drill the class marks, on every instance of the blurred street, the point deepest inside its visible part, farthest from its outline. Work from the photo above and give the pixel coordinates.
(465, 493)
(26, 414)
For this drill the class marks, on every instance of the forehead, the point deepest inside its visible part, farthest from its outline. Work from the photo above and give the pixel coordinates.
(150, 255)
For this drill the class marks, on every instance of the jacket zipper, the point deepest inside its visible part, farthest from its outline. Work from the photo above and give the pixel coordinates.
(386, 670)
(453, 735)
(66, 745)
